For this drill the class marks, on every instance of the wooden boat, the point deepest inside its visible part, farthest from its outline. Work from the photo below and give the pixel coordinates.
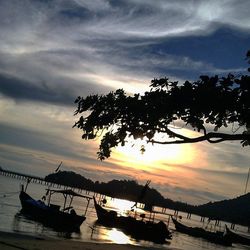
(51, 214)
(215, 237)
(138, 229)
(237, 238)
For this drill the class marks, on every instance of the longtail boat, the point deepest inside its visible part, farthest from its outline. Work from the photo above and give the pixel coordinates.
(51, 214)
(215, 237)
(238, 238)
(138, 229)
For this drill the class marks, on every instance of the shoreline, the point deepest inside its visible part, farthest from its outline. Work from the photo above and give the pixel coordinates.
(12, 240)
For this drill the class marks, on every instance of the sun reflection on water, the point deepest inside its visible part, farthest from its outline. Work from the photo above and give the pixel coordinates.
(124, 207)
(118, 237)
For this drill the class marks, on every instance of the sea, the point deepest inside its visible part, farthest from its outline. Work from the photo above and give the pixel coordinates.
(11, 220)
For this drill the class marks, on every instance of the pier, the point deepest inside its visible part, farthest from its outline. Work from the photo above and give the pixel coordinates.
(40, 180)
(21, 176)
(35, 179)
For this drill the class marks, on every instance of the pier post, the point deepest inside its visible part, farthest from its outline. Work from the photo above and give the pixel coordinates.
(202, 218)
(176, 213)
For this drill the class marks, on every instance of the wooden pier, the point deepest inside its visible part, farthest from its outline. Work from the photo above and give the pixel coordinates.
(21, 176)
(36, 179)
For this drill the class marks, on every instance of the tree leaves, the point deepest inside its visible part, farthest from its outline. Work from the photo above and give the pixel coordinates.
(210, 101)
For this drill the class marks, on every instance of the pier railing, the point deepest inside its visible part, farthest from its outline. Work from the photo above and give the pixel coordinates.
(33, 179)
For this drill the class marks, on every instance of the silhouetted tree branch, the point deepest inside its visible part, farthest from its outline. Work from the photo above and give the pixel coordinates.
(210, 102)
(210, 137)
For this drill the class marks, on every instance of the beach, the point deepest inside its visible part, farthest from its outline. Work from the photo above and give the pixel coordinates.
(11, 241)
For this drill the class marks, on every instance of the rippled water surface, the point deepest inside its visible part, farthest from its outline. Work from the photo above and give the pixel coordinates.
(12, 221)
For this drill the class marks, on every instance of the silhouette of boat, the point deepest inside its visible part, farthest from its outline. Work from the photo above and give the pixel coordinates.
(50, 214)
(215, 237)
(137, 229)
(237, 238)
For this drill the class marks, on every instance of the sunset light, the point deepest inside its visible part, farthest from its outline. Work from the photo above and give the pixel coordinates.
(122, 205)
(155, 154)
(152, 154)
(118, 237)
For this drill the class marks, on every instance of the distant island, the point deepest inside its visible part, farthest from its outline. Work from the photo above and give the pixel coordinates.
(235, 210)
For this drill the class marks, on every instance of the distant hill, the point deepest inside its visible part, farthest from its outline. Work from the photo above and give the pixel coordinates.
(124, 189)
(70, 178)
(235, 210)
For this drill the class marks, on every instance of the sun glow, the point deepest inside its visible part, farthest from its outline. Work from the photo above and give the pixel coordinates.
(154, 154)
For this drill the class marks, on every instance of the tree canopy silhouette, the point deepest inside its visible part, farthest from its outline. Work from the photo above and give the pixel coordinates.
(206, 105)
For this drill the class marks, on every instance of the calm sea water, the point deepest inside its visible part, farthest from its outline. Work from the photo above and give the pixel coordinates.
(12, 221)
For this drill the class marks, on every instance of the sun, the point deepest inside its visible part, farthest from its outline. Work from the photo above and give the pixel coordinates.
(153, 153)
(156, 156)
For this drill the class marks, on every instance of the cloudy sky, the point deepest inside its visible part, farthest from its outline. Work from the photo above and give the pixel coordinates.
(53, 51)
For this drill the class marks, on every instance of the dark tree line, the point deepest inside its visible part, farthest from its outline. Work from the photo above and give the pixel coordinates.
(124, 189)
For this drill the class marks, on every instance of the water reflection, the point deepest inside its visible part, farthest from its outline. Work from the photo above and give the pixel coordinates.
(121, 205)
(118, 237)
(111, 235)
(22, 223)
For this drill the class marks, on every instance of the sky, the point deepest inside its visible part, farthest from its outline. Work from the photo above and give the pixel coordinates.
(53, 51)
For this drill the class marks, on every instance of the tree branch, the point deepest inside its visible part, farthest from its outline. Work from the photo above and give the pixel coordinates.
(206, 137)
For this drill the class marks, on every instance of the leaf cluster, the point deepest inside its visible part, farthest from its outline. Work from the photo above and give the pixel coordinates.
(214, 101)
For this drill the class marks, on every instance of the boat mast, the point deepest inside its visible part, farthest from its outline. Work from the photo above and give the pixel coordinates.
(27, 183)
(247, 181)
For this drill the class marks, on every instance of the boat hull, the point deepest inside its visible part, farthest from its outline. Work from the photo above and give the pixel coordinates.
(215, 237)
(237, 238)
(138, 229)
(49, 215)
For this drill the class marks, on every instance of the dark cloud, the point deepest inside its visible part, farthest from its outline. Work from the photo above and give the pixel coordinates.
(35, 140)
(21, 90)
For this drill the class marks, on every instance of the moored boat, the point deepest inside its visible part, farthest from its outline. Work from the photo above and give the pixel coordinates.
(50, 214)
(139, 229)
(217, 237)
(238, 238)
